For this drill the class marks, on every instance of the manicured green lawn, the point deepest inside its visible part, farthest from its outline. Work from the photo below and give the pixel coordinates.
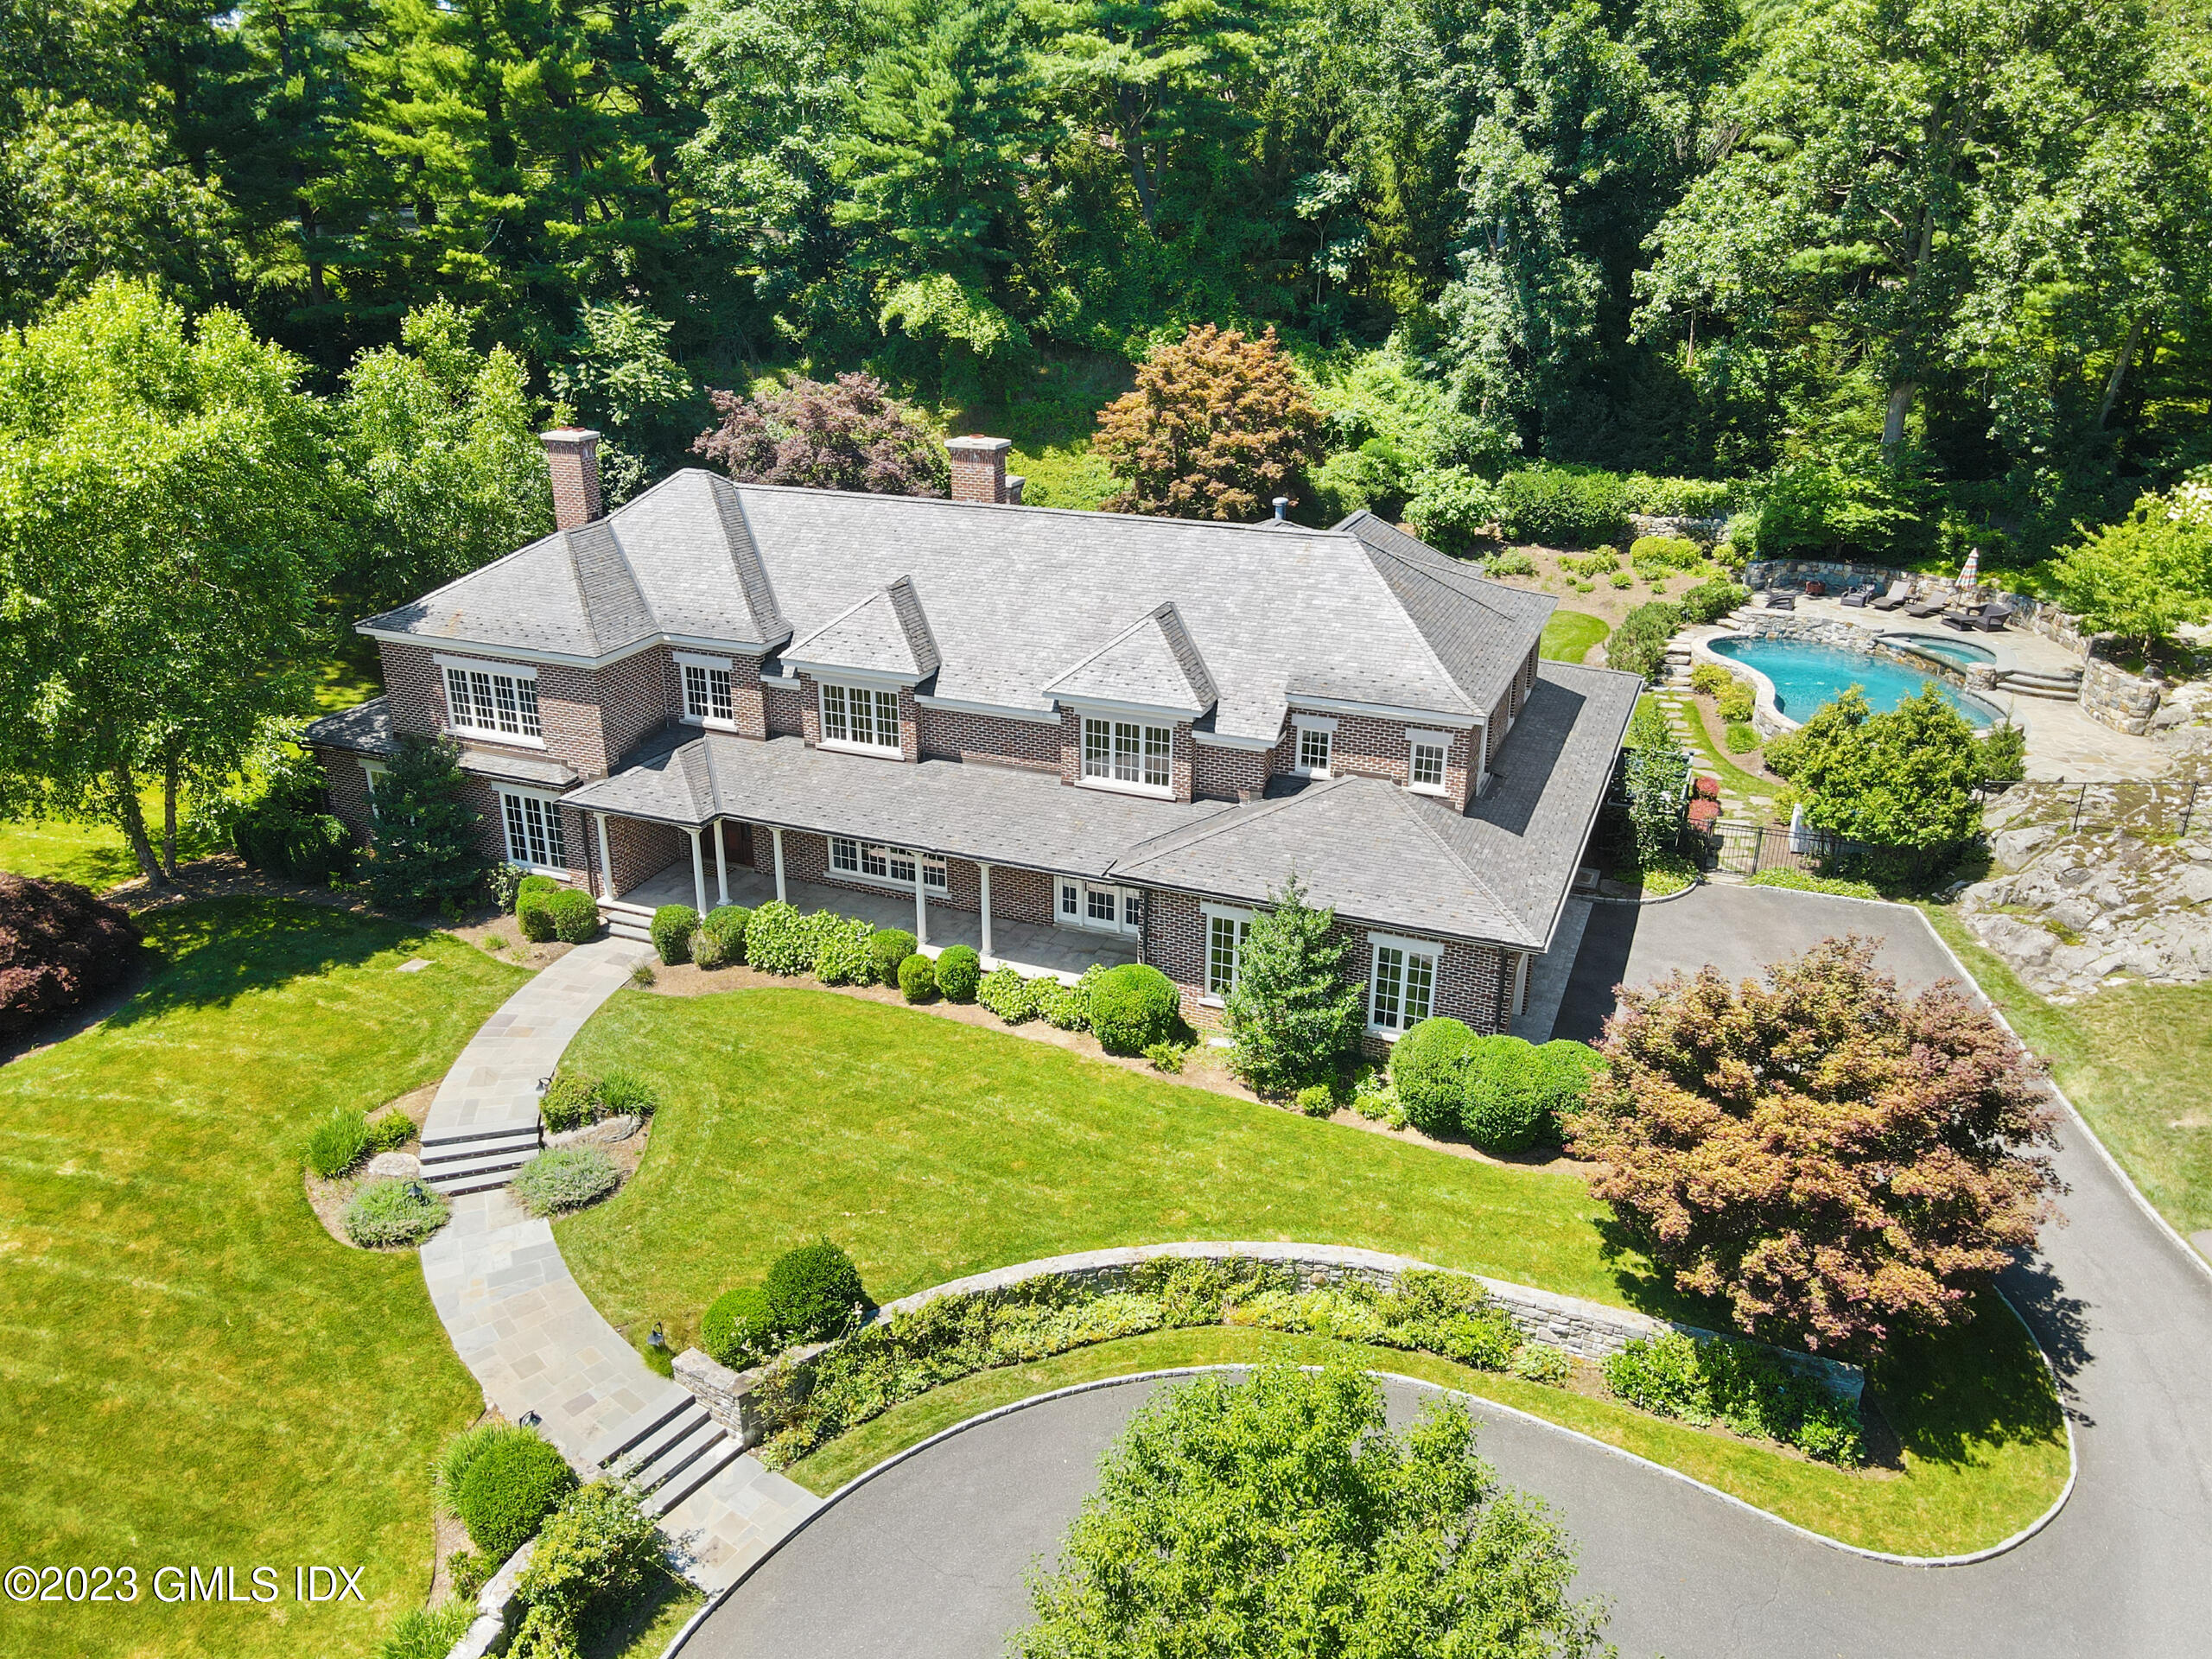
(2133, 1060)
(1963, 1486)
(195, 1373)
(931, 1150)
(1570, 634)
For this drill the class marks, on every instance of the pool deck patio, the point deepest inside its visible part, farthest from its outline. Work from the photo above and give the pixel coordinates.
(2064, 742)
(1028, 948)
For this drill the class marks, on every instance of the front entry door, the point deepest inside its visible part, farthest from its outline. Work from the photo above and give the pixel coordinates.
(1099, 906)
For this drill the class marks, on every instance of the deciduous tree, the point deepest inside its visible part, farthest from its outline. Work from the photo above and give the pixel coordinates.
(1838, 1162)
(1910, 777)
(850, 435)
(1278, 1515)
(2145, 576)
(1217, 426)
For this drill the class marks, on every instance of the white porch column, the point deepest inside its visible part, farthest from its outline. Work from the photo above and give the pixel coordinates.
(721, 873)
(983, 910)
(606, 864)
(779, 836)
(921, 906)
(698, 874)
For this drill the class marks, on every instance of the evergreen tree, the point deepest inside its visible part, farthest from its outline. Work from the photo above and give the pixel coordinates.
(429, 848)
(1294, 1008)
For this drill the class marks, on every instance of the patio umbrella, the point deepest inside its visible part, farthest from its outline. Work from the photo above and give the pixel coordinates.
(1971, 570)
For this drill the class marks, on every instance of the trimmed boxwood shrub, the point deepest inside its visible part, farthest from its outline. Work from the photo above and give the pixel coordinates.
(575, 915)
(336, 1144)
(388, 1212)
(726, 924)
(1501, 1106)
(534, 915)
(841, 949)
(511, 1487)
(959, 972)
(535, 884)
(1007, 994)
(569, 1102)
(672, 928)
(918, 978)
(1131, 1007)
(1565, 1070)
(777, 940)
(1428, 1070)
(735, 1328)
(810, 1292)
(565, 1178)
(886, 948)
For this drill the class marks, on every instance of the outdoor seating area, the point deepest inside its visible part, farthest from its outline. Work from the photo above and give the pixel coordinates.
(1030, 948)
(1990, 618)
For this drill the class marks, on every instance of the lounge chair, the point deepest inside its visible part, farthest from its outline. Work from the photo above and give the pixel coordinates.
(1858, 597)
(1780, 601)
(1935, 605)
(1900, 591)
(1990, 618)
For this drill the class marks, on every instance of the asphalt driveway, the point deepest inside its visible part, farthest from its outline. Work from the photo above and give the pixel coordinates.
(927, 1560)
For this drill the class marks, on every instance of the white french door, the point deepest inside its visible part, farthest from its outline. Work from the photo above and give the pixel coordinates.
(1094, 904)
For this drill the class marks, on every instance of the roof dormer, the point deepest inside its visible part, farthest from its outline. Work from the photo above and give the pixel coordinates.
(886, 636)
(1152, 664)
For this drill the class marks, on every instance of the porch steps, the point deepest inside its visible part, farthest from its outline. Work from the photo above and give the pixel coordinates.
(2027, 682)
(627, 921)
(477, 1160)
(666, 1450)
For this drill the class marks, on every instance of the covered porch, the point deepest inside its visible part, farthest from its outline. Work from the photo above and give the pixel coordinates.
(1026, 947)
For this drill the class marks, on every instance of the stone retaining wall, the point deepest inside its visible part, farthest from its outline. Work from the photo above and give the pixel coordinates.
(2112, 697)
(1588, 1329)
(1839, 573)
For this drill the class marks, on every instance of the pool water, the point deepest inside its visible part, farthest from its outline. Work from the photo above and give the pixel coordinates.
(1960, 653)
(1806, 675)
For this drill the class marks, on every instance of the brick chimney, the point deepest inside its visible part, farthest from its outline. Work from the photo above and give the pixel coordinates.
(572, 457)
(979, 469)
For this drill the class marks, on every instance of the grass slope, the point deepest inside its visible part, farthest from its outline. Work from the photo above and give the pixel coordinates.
(1964, 1483)
(195, 1373)
(1569, 636)
(2132, 1059)
(931, 1150)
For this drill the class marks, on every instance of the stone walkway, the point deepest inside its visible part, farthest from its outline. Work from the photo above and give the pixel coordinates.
(516, 1315)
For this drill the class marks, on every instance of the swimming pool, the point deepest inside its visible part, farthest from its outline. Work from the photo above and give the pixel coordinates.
(1960, 653)
(1806, 675)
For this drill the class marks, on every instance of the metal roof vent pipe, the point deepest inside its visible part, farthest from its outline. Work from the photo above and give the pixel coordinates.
(1283, 509)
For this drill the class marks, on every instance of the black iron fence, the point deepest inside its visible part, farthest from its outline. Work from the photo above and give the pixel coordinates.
(1744, 848)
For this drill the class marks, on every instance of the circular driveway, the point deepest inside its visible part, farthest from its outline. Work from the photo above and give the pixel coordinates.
(927, 1558)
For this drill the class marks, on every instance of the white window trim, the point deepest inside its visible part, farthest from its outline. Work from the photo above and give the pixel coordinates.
(1242, 918)
(713, 665)
(371, 771)
(1428, 740)
(1118, 785)
(1082, 922)
(1378, 943)
(896, 751)
(552, 804)
(1301, 724)
(923, 861)
(489, 665)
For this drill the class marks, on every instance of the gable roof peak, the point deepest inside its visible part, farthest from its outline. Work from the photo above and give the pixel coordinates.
(885, 632)
(1154, 663)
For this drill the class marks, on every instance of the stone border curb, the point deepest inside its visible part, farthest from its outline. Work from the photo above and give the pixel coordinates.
(487, 1632)
(1696, 881)
(2002, 1546)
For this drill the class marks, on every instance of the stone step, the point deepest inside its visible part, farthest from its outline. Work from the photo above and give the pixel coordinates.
(622, 927)
(2049, 693)
(668, 1403)
(2023, 676)
(657, 1457)
(470, 1143)
(719, 1458)
(477, 1174)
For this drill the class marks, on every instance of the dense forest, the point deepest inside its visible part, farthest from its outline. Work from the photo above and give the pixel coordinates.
(1945, 256)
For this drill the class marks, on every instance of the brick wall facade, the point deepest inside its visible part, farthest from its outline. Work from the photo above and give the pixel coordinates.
(1363, 747)
(346, 788)
(590, 717)
(1469, 977)
(786, 712)
(639, 851)
(747, 698)
(1181, 752)
(950, 734)
(810, 703)
(1218, 773)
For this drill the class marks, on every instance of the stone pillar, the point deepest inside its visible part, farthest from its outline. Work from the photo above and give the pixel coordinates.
(983, 910)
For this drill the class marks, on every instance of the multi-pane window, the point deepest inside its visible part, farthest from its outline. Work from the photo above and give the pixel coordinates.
(533, 826)
(861, 715)
(1129, 752)
(1313, 743)
(373, 776)
(706, 693)
(1225, 932)
(1113, 909)
(1402, 987)
(877, 862)
(494, 703)
(1426, 770)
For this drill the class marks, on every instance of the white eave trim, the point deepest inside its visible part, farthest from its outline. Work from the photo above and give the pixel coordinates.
(836, 674)
(1229, 741)
(1380, 711)
(1153, 711)
(562, 659)
(520, 671)
(995, 711)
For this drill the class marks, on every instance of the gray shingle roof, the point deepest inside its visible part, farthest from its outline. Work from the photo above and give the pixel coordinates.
(1480, 630)
(366, 728)
(1154, 663)
(1016, 595)
(887, 632)
(1378, 853)
(518, 768)
(999, 814)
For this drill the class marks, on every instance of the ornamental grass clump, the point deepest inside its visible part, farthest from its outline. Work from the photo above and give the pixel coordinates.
(428, 1633)
(1837, 1162)
(565, 1178)
(386, 1214)
(337, 1143)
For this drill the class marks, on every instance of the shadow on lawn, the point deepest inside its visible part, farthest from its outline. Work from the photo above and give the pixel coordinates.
(209, 954)
(1977, 1385)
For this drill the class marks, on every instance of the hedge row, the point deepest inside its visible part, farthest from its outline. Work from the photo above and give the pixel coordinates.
(1504, 1093)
